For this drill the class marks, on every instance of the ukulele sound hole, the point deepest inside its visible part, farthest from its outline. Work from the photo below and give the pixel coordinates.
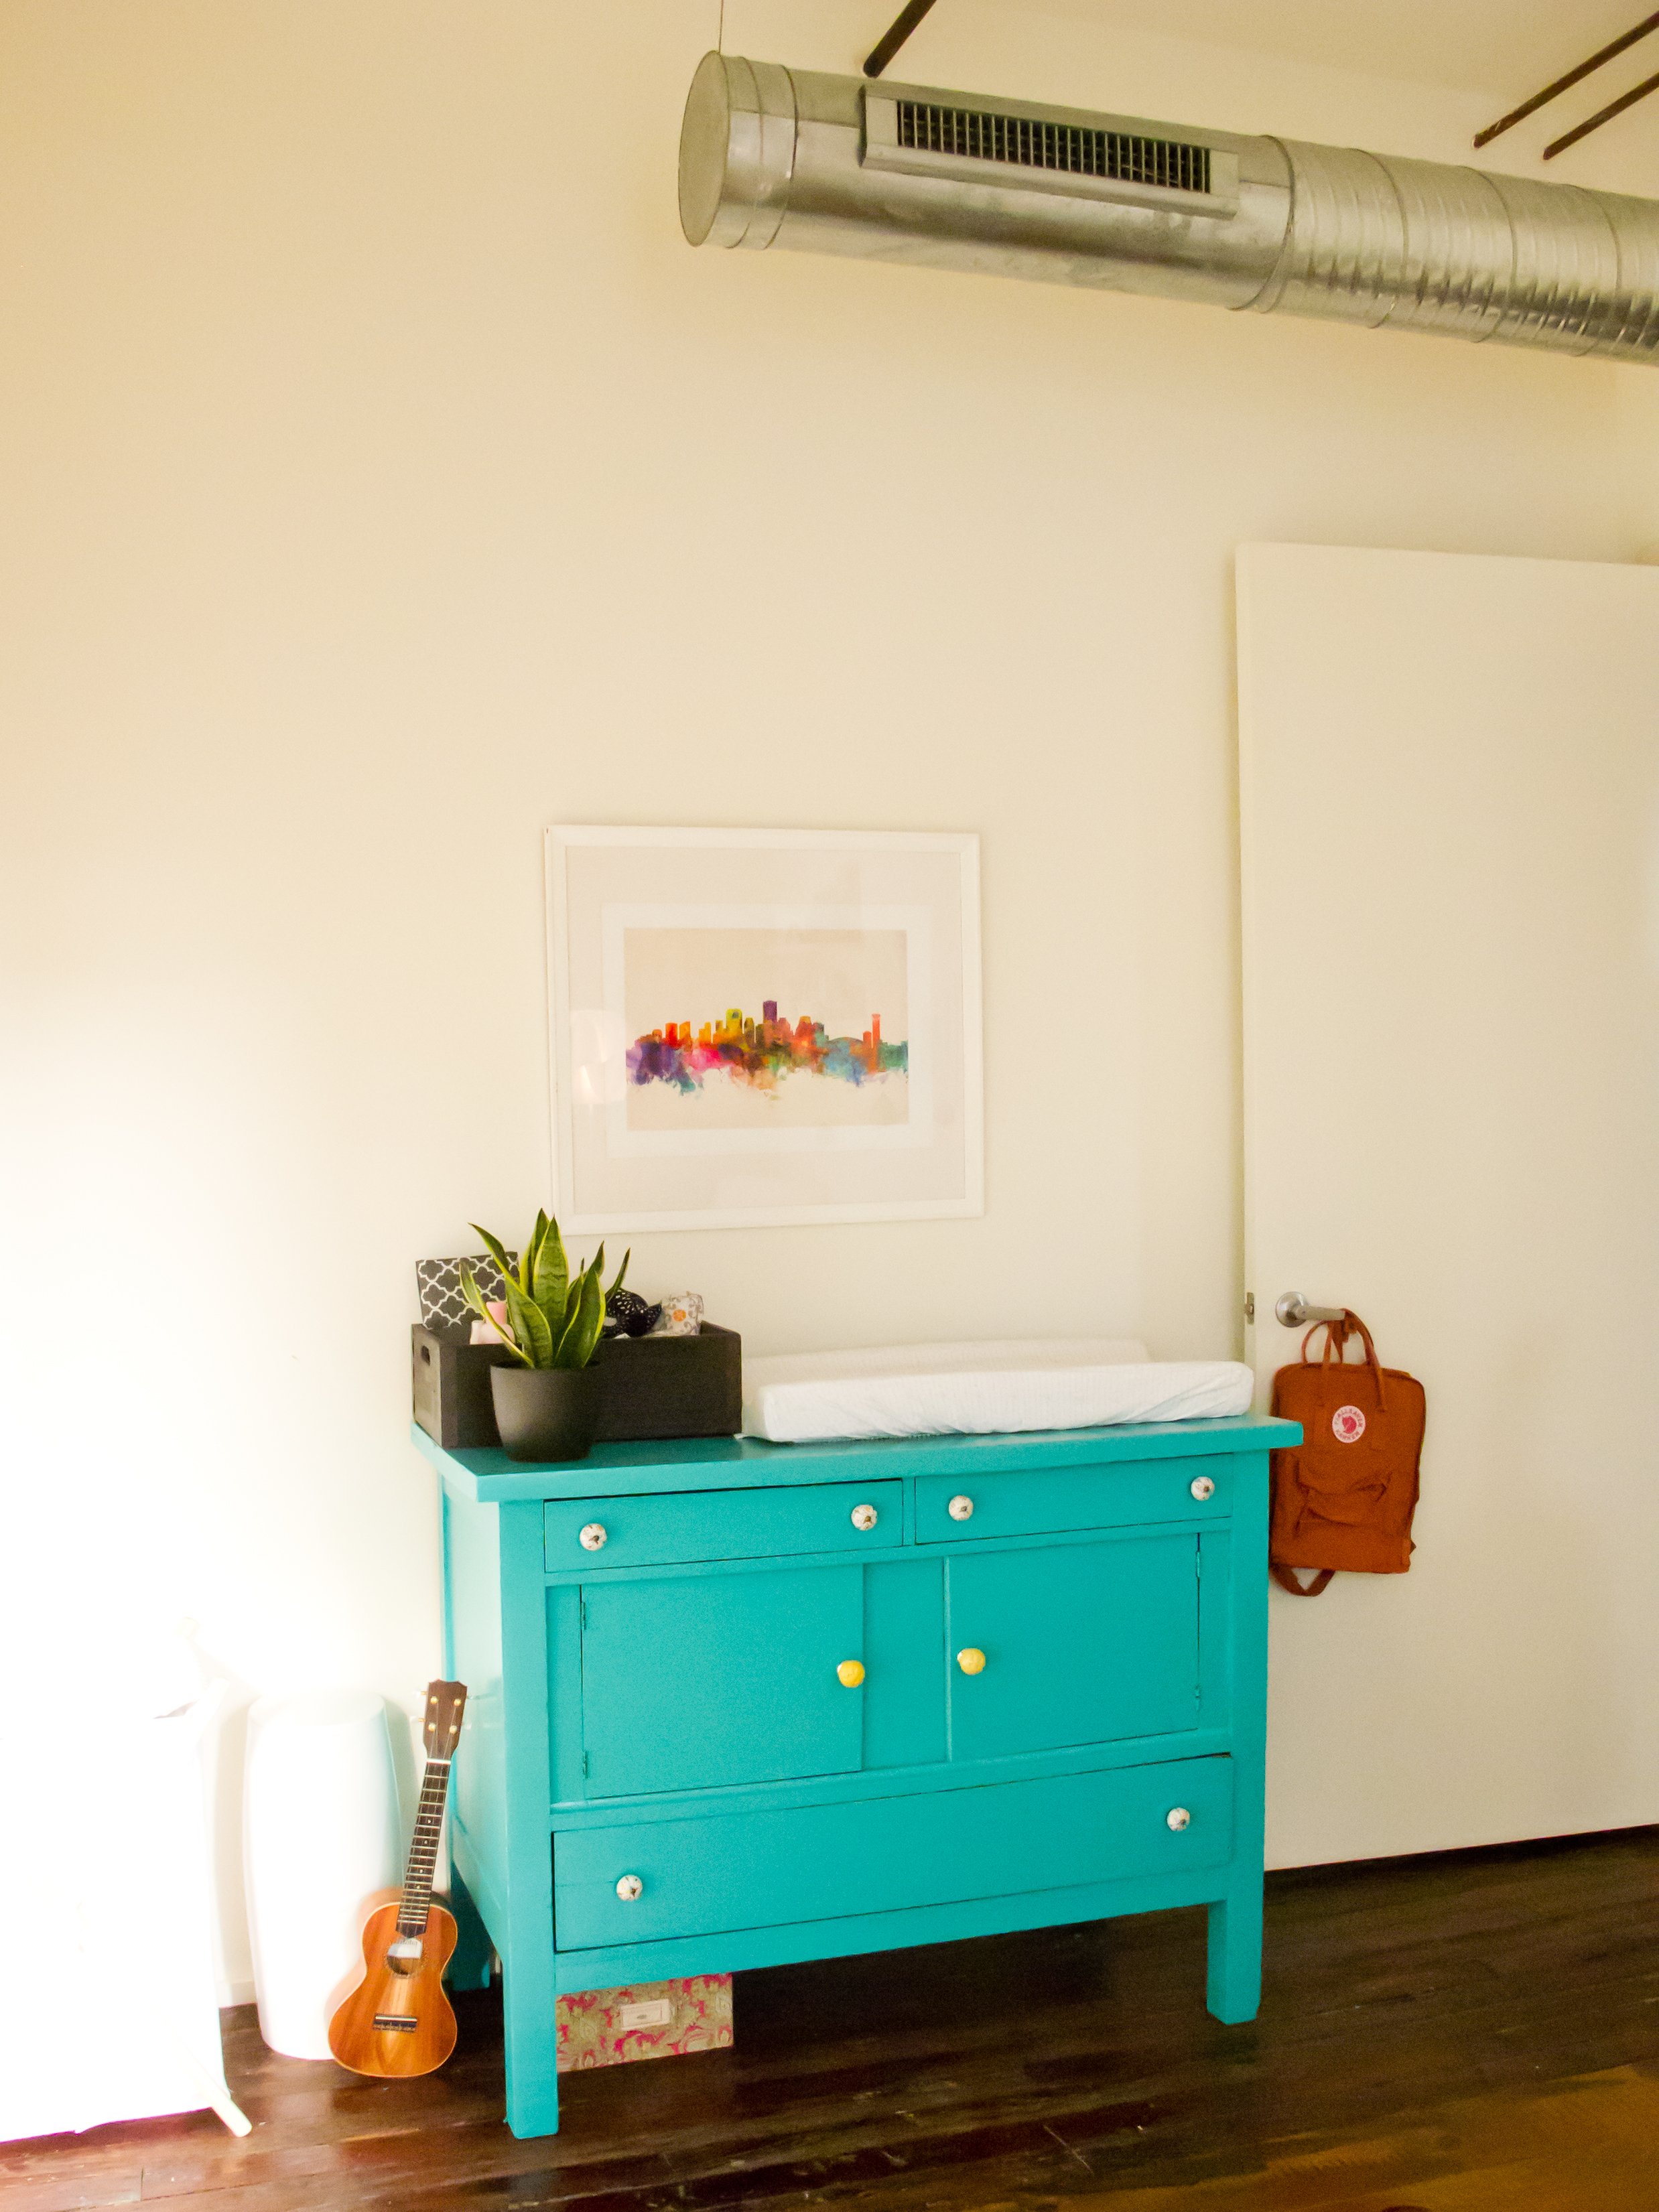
(404, 1958)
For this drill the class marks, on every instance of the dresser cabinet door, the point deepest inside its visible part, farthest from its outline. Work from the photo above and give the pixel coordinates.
(1080, 1644)
(696, 1681)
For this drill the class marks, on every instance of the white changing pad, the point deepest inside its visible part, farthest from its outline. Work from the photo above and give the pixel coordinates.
(981, 1390)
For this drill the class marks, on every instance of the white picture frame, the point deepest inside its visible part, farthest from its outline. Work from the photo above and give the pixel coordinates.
(811, 1108)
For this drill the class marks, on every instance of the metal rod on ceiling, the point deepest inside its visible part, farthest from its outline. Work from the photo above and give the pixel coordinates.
(1565, 83)
(892, 38)
(1613, 107)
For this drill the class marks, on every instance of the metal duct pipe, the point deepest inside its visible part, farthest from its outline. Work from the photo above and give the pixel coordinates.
(770, 156)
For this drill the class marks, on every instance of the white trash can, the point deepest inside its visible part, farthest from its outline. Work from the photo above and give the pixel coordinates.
(320, 1834)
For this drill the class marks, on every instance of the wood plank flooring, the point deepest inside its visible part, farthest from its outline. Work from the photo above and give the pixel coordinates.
(1473, 2033)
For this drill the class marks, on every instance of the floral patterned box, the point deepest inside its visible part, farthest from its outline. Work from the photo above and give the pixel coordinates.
(643, 2020)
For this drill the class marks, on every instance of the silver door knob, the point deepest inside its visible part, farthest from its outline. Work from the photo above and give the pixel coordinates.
(1179, 1818)
(630, 1886)
(961, 1508)
(1201, 1487)
(1293, 1310)
(592, 1537)
(864, 1516)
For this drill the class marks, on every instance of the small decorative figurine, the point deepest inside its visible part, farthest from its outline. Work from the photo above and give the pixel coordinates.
(626, 1314)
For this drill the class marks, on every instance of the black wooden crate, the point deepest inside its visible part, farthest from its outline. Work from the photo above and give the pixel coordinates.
(452, 1402)
(654, 1386)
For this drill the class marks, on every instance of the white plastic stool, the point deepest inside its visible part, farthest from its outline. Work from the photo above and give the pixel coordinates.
(319, 1836)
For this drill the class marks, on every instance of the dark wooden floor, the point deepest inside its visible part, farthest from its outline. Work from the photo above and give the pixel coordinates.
(1459, 2034)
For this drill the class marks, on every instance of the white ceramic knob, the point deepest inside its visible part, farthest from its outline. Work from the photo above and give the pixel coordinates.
(961, 1508)
(630, 1886)
(1201, 1488)
(1178, 1819)
(592, 1537)
(864, 1516)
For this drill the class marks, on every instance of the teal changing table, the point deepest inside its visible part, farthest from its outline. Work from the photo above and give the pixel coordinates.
(736, 1704)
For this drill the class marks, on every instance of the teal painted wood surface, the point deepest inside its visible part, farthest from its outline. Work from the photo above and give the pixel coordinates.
(736, 1950)
(722, 1524)
(904, 1699)
(524, 1941)
(1082, 1643)
(472, 1654)
(810, 1820)
(701, 1877)
(742, 1462)
(1233, 1989)
(866, 1784)
(1046, 1500)
(700, 1682)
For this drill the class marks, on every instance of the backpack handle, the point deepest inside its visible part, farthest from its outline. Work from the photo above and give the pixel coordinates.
(1337, 1333)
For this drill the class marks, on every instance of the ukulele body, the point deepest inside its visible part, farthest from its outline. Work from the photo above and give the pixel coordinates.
(396, 1990)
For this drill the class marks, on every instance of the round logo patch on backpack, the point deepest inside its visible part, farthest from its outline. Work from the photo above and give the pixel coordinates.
(1348, 1425)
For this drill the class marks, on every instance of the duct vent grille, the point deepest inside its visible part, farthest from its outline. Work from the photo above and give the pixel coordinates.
(972, 134)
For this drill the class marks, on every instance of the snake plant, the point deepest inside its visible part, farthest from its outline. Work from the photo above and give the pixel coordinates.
(555, 1317)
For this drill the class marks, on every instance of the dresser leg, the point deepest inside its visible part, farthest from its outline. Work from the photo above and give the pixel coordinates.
(1235, 1981)
(532, 2054)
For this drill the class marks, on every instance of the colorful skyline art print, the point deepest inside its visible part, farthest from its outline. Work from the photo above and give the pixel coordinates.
(751, 1028)
(775, 1029)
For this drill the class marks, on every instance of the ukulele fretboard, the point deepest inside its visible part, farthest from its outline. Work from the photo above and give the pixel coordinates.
(423, 1849)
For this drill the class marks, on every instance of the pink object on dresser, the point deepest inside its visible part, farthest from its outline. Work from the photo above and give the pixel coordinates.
(643, 2020)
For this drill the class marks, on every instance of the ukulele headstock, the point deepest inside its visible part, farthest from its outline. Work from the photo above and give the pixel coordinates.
(445, 1703)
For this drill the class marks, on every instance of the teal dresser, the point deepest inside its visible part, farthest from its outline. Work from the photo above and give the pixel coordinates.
(736, 1704)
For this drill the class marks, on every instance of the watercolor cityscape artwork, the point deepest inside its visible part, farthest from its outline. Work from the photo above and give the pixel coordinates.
(751, 1028)
(834, 1054)
(762, 1053)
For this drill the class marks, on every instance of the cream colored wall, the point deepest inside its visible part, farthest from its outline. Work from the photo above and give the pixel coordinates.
(384, 479)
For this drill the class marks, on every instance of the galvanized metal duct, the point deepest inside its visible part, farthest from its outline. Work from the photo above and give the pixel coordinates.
(773, 156)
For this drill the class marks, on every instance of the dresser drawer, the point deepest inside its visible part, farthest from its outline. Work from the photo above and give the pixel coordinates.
(709, 1875)
(1055, 1498)
(688, 1527)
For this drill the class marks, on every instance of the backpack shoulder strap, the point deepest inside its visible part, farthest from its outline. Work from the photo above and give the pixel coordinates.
(1285, 1577)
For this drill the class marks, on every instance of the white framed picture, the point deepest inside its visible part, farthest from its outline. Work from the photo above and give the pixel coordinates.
(757, 1027)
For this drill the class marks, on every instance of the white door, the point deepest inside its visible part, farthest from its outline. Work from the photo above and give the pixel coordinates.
(1450, 786)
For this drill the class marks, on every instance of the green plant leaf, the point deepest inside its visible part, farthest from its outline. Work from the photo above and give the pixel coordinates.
(582, 1332)
(572, 1303)
(475, 1298)
(532, 1253)
(617, 1280)
(550, 1284)
(529, 1326)
(496, 1250)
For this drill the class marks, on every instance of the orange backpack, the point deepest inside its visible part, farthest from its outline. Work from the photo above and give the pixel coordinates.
(1343, 1497)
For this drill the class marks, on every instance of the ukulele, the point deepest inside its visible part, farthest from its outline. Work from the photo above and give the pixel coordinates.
(397, 2020)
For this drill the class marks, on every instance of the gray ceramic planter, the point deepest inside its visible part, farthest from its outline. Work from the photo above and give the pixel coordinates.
(546, 1413)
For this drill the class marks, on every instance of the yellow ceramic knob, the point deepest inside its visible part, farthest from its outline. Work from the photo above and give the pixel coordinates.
(850, 1674)
(971, 1662)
